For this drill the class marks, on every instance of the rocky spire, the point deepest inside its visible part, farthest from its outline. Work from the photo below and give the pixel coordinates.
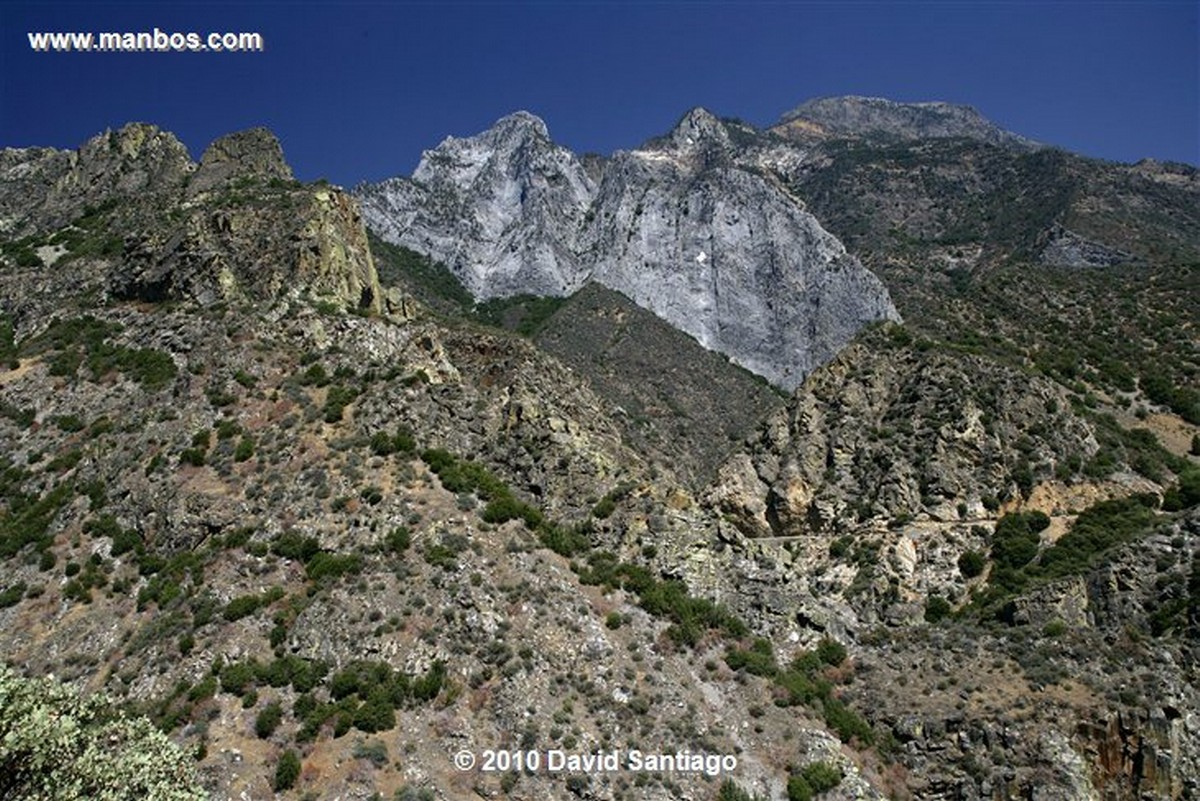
(251, 153)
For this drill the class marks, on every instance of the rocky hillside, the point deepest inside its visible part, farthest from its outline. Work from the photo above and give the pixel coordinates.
(679, 226)
(292, 496)
(180, 231)
(674, 400)
(325, 549)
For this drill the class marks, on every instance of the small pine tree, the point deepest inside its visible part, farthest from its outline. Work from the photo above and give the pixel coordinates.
(287, 771)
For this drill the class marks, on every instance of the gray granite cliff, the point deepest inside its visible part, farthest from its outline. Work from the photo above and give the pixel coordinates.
(682, 226)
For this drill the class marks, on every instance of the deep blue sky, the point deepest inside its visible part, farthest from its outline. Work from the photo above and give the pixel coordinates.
(357, 90)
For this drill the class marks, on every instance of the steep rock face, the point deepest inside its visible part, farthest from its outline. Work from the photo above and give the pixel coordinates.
(875, 116)
(890, 430)
(679, 226)
(153, 225)
(503, 209)
(727, 257)
(43, 188)
(1065, 248)
(254, 153)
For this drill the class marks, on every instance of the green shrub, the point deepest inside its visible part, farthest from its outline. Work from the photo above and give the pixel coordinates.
(937, 609)
(245, 449)
(758, 660)
(1096, 529)
(268, 720)
(287, 771)
(814, 779)
(505, 508)
(241, 607)
(442, 556)
(604, 508)
(237, 676)
(61, 745)
(385, 444)
(12, 595)
(295, 546)
(461, 475)
(730, 791)
(374, 751)
(8, 346)
(315, 376)
(971, 564)
(1015, 540)
(563, 540)
(831, 652)
(26, 521)
(336, 400)
(1055, 628)
(846, 723)
(325, 565)
(69, 423)
(398, 540)
(376, 713)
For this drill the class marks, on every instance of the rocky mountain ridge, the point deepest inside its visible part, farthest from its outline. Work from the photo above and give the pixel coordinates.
(678, 226)
(877, 117)
(187, 230)
(326, 545)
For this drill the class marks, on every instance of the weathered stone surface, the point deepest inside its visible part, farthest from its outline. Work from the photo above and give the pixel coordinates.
(679, 226)
(236, 228)
(42, 188)
(253, 153)
(1065, 248)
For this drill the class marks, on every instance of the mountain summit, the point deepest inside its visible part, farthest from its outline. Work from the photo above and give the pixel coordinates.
(680, 226)
(880, 118)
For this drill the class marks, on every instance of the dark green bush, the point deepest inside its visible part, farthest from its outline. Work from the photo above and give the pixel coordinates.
(376, 713)
(293, 545)
(730, 791)
(268, 720)
(287, 771)
(1015, 540)
(384, 444)
(336, 401)
(831, 652)
(245, 449)
(937, 608)
(12, 595)
(1098, 528)
(758, 660)
(237, 676)
(971, 564)
(325, 565)
(244, 606)
(506, 507)
(398, 540)
(604, 508)
(814, 779)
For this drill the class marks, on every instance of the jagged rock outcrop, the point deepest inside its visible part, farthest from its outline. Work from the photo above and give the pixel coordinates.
(1065, 248)
(43, 188)
(853, 116)
(157, 226)
(680, 226)
(892, 430)
(254, 154)
(503, 208)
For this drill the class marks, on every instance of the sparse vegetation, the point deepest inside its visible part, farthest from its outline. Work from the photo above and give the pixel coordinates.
(58, 744)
